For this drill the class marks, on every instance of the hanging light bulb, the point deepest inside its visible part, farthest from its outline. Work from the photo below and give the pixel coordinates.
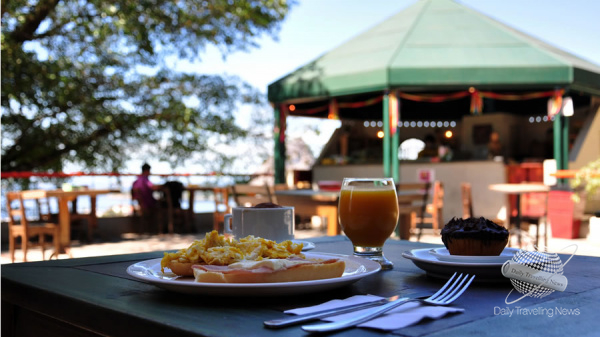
(567, 108)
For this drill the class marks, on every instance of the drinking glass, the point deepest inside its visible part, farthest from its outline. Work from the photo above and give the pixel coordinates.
(368, 212)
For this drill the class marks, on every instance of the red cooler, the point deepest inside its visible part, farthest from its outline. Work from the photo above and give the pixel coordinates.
(562, 212)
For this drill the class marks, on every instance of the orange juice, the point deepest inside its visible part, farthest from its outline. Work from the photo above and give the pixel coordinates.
(368, 215)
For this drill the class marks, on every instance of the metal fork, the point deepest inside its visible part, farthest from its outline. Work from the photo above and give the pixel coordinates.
(446, 295)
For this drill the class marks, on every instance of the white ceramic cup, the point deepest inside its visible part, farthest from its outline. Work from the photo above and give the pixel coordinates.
(275, 224)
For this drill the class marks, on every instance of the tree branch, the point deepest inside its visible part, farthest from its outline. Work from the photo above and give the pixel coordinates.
(32, 21)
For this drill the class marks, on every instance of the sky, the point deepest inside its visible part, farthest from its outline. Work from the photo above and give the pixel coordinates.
(313, 27)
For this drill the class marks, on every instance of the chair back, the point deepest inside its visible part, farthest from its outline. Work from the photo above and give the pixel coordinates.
(467, 200)
(221, 196)
(171, 202)
(247, 195)
(16, 215)
(44, 211)
(175, 193)
(438, 197)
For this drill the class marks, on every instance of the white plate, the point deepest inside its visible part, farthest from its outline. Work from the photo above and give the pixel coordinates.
(307, 245)
(442, 254)
(356, 269)
(486, 272)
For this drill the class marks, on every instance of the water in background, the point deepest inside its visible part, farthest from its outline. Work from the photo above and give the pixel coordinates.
(120, 204)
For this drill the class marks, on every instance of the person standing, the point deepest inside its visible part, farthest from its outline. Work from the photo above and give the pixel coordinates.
(495, 146)
(431, 148)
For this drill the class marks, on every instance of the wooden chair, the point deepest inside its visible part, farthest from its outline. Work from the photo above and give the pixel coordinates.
(171, 203)
(20, 227)
(467, 200)
(433, 211)
(246, 195)
(77, 218)
(44, 212)
(221, 196)
(412, 202)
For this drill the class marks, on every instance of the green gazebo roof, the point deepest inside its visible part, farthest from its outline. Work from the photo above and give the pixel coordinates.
(437, 45)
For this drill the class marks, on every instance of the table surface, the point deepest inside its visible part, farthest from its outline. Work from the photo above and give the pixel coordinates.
(96, 295)
(79, 192)
(324, 195)
(519, 188)
(194, 188)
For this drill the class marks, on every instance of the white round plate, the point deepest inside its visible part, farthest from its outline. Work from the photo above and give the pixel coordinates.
(486, 272)
(356, 269)
(307, 245)
(442, 254)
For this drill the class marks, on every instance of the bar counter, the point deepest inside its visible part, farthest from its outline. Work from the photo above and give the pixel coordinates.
(95, 296)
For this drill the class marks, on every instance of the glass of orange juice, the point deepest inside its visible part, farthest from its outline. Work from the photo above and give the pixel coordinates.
(368, 213)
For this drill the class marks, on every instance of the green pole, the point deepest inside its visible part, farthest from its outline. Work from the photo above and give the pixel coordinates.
(279, 151)
(557, 141)
(558, 149)
(395, 146)
(565, 145)
(386, 136)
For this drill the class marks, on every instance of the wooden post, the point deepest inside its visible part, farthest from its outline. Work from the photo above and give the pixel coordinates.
(279, 138)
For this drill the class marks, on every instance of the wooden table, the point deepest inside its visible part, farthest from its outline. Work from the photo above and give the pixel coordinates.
(95, 296)
(321, 203)
(518, 190)
(64, 215)
(192, 189)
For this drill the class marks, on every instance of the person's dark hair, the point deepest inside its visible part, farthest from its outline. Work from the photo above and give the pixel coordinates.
(145, 167)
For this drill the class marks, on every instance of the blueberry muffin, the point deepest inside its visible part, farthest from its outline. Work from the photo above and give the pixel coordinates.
(474, 237)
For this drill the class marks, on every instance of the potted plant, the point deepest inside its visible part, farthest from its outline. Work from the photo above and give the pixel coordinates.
(587, 181)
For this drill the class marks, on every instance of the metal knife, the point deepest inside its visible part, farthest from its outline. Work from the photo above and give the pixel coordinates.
(283, 322)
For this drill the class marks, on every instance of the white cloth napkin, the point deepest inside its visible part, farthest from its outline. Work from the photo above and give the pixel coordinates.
(405, 315)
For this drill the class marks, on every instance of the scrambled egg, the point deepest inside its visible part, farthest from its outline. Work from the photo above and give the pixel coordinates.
(215, 249)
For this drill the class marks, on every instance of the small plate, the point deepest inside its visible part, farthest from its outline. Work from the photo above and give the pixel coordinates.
(442, 254)
(307, 245)
(486, 272)
(356, 269)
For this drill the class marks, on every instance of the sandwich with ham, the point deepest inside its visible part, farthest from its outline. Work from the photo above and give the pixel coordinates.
(270, 271)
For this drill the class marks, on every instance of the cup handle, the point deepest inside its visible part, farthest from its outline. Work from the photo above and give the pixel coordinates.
(227, 229)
